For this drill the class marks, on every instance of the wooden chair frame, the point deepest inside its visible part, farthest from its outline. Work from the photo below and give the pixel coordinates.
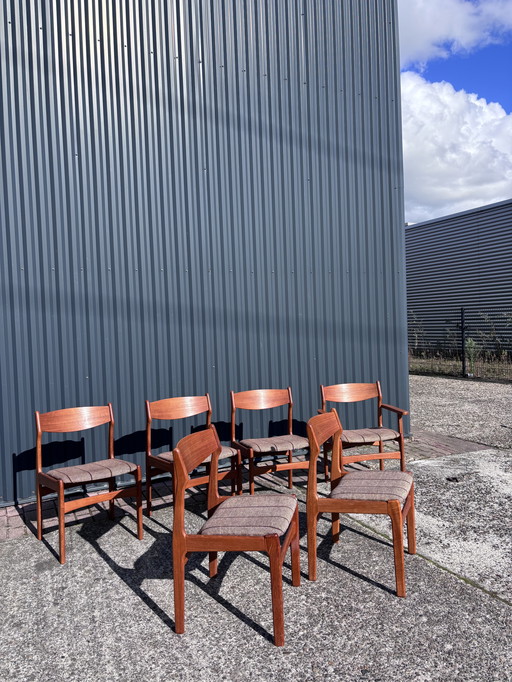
(66, 421)
(350, 393)
(261, 399)
(189, 453)
(325, 427)
(171, 409)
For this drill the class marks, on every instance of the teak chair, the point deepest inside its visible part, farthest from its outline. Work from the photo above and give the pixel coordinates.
(57, 480)
(357, 492)
(261, 399)
(266, 523)
(351, 438)
(180, 408)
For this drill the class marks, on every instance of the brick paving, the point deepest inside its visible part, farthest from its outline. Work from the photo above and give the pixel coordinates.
(17, 521)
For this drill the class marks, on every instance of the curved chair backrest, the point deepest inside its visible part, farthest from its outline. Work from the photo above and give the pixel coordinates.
(350, 393)
(179, 408)
(74, 419)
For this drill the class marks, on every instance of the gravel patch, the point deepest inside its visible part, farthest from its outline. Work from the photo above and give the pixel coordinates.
(472, 410)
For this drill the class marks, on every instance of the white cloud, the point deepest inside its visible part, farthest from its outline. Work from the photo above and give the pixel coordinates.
(438, 28)
(457, 149)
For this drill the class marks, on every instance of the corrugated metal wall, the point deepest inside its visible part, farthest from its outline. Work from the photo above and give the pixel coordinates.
(196, 196)
(460, 260)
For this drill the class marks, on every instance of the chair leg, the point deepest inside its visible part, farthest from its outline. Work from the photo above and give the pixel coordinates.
(381, 461)
(62, 536)
(335, 529)
(149, 490)
(111, 487)
(251, 472)
(39, 512)
(401, 444)
(276, 581)
(138, 480)
(233, 476)
(179, 560)
(295, 551)
(239, 481)
(395, 513)
(312, 518)
(411, 525)
(290, 472)
(212, 560)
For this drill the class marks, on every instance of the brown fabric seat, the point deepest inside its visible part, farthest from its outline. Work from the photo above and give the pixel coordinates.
(374, 485)
(225, 453)
(276, 443)
(255, 515)
(95, 471)
(368, 436)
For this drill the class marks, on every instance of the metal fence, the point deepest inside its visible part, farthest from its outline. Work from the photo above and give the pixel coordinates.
(467, 342)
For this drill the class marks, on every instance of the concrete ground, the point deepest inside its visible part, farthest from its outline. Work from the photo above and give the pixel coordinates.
(108, 613)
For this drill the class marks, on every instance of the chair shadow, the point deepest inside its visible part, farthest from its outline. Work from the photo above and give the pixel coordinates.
(326, 546)
(156, 564)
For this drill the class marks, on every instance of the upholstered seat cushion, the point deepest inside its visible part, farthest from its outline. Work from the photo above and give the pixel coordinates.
(255, 515)
(276, 443)
(368, 436)
(95, 471)
(225, 453)
(374, 485)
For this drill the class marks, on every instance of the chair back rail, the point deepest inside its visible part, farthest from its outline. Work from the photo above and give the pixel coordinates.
(261, 399)
(349, 393)
(178, 408)
(74, 419)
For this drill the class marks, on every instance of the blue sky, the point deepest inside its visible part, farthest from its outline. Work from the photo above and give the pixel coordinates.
(456, 59)
(486, 71)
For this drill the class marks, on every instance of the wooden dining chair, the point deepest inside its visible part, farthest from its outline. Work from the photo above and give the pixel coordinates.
(261, 399)
(58, 480)
(375, 435)
(181, 408)
(388, 492)
(267, 523)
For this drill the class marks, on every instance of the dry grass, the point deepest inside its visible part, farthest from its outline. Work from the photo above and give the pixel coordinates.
(493, 369)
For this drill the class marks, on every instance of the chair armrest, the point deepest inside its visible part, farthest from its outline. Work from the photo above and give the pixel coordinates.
(321, 410)
(397, 410)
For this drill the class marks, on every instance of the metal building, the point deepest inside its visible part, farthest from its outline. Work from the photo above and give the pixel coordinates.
(196, 196)
(459, 261)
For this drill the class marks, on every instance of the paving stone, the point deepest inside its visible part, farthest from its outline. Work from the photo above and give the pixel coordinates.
(15, 521)
(16, 532)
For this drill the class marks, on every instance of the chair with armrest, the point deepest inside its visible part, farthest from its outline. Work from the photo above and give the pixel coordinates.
(180, 408)
(261, 399)
(58, 480)
(388, 492)
(267, 523)
(376, 435)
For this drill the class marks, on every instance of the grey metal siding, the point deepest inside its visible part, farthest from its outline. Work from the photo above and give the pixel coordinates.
(196, 196)
(460, 260)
